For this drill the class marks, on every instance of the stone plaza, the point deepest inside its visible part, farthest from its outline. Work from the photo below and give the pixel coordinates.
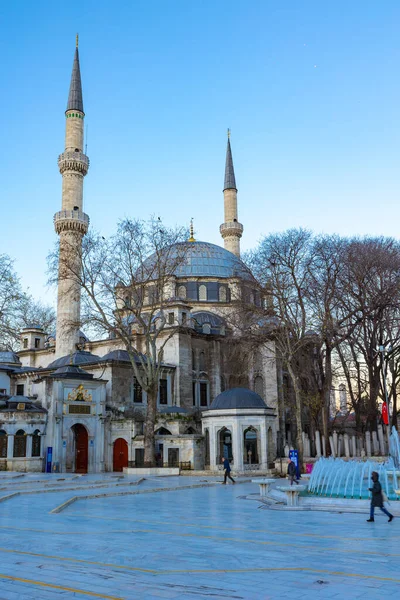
(122, 537)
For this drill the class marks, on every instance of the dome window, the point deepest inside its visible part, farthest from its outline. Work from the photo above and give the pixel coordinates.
(222, 294)
(202, 293)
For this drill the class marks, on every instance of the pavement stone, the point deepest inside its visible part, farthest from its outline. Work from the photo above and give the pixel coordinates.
(178, 542)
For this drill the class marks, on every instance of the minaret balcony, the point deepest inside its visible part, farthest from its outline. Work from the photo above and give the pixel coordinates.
(71, 220)
(73, 161)
(232, 228)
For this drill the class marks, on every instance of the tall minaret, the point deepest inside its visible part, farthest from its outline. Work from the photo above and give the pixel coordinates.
(71, 223)
(231, 230)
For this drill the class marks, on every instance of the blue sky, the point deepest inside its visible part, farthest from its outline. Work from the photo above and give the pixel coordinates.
(310, 90)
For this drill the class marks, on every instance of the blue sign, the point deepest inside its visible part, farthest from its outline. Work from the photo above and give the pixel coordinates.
(49, 459)
(294, 456)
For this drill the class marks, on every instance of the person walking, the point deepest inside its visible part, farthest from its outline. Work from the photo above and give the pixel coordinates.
(377, 498)
(227, 469)
(291, 471)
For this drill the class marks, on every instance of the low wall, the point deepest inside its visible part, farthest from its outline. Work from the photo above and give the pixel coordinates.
(151, 471)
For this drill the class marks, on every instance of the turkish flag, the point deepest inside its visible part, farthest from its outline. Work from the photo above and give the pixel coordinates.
(385, 415)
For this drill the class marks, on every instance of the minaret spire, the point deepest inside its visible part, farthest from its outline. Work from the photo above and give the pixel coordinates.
(231, 230)
(75, 101)
(230, 182)
(71, 223)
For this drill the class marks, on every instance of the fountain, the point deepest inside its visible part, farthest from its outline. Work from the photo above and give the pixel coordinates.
(337, 478)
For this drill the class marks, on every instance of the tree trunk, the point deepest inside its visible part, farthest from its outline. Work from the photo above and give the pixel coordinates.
(327, 392)
(298, 412)
(149, 424)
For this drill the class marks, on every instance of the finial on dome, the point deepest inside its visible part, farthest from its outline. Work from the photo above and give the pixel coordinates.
(191, 239)
(229, 133)
(77, 40)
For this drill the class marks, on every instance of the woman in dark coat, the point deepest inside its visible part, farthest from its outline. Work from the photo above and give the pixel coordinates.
(377, 498)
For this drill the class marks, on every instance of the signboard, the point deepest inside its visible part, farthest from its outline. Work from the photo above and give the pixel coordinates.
(49, 458)
(294, 455)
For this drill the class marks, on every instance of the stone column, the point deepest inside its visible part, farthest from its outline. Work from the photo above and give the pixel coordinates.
(368, 443)
(335, 443)
(381, 441)
(375, 443)
(29, 445)
(332, 444)
(323, 445)
(213, 447)
(346, 445)
(318, 443)
(10, 445)
(237, 447)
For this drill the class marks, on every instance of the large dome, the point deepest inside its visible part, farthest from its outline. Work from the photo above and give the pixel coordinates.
(238, 398)
(201, 259)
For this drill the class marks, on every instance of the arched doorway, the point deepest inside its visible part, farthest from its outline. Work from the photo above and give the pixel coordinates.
(225, 444)
(250, 454)
(81, 448)
(120, 455)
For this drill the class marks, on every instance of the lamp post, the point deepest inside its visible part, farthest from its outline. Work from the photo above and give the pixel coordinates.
(382, 351)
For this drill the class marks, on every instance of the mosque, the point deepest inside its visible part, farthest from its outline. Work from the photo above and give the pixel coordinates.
(70, 404)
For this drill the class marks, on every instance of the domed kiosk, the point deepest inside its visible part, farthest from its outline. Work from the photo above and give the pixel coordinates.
(241, 427)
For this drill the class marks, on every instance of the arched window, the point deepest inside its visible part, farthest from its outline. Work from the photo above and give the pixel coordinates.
(222, 294)
(259, 386)
(222, 383)
(190, 431)
(202, 361)
(250, 452)
(163, 431)
(202, 292)
(20, 444)
(36, 443)
(193, 360)
(225, 444)
(182, 292)
(3, 444)
(206, 328)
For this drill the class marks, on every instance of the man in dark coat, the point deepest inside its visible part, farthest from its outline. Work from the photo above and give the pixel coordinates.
(227, 469)
(377, 498)
(291, 471)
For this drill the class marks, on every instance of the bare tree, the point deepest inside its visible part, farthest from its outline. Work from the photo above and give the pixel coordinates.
(282, 265)
(18, 309)
(127, 284)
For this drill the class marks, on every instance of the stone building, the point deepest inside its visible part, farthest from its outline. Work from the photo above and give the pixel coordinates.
(76, 403)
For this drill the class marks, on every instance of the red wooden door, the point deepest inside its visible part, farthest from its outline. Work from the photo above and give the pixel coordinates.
(120, 457)
(81, 449)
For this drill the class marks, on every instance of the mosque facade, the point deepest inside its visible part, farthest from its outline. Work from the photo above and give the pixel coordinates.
(69, 404)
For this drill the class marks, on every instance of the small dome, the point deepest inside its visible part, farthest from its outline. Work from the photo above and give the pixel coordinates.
(33, 326)
(78, 358)
(9, 358)
(238, 398)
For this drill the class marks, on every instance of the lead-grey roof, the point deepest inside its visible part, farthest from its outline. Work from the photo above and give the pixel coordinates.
(237, 398)
(77, 358)
(75, 100)
(71, 372)
(9, 358)
(202, 259)
(230, 182)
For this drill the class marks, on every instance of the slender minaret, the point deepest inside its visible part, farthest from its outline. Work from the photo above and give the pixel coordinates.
(231, 230)
(71, 223)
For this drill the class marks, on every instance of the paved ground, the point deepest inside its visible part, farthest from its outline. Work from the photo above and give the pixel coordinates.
(215, 542)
